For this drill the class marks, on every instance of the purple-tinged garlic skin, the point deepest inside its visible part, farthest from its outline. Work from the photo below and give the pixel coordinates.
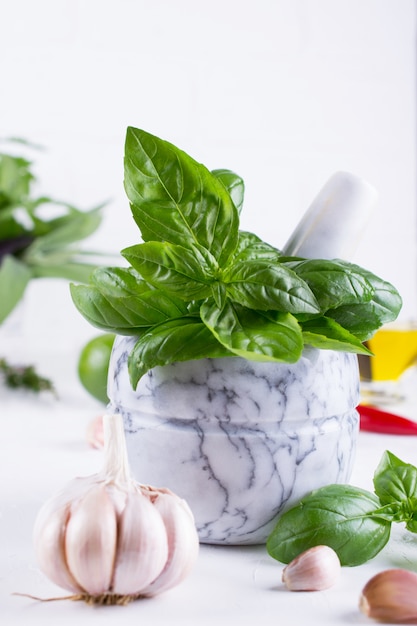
(107, 536)
(315, 569)
(391, 597)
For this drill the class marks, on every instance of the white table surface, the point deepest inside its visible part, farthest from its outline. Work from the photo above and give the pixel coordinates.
(43, 445)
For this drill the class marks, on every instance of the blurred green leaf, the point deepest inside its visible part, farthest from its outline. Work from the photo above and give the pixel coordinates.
(38, 235)
(14, 278)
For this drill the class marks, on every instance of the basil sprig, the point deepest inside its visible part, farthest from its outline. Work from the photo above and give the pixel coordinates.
(354, 522)
(197, 286)
(39, 236)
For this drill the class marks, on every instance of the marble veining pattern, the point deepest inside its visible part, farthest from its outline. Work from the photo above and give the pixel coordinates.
(239, 440)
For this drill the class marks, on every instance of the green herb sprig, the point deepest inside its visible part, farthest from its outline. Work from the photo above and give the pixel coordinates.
(24, 377)
(38, 234)
(354, 522)
(199, 287)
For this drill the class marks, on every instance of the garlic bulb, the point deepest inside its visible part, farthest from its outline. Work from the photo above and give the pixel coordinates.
(109, 539)
(391, 597)
(313, 570)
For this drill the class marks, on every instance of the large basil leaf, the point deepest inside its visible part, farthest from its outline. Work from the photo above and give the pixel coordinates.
(363, 319)
(259, 284)
(252, 334)
(334, 283)
(151, 304)
(340, 516)
(234, 185)
(126, 315)
(176, 340)
(14, 278)
(184, 272)
(119, 281)
(325, 333)
(175, 199)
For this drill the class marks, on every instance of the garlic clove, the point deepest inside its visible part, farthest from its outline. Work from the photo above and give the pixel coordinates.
(313, 570)
(95, 433)
(142, 549)
(90, 541)
(183, 542)
(391, 597)
(49, 541)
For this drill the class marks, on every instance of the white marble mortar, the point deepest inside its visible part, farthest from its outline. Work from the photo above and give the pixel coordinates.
(241, 441)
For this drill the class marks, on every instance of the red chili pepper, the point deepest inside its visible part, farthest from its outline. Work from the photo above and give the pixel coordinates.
(376, 420)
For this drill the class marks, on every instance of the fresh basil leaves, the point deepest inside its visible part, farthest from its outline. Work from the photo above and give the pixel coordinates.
(176, 200)
(205, 288)
(37, 235)
(352, 521)
(395, 482)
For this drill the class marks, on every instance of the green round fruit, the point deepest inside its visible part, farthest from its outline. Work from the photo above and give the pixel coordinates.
(93, 365)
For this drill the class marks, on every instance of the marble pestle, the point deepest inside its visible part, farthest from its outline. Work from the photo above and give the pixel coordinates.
(333, 224)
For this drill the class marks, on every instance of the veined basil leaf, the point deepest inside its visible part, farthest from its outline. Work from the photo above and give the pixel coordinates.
(234, 185)
(153, 305)
(175, 199)
(184, 272)
(126, 315)
(358, 319)
(252, 334)
(119, 281)
(251, 247)
(334, 283)
(14, 278)
(325, 333)
(363, 320)
(176, 340)
(395, 482)
(268, 286)
(340, 516)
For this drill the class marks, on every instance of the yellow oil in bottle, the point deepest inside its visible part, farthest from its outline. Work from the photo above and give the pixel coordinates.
(394, 348)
